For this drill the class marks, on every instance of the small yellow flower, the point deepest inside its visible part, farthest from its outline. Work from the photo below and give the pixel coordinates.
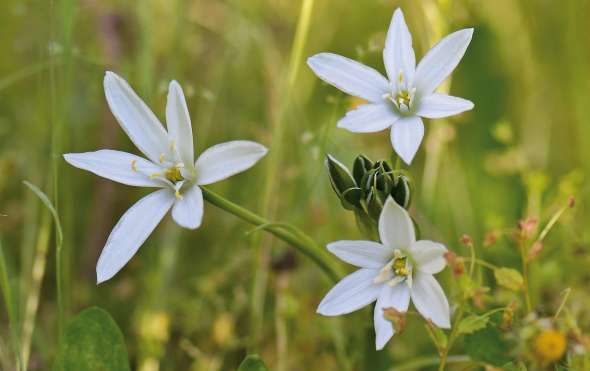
(550, 345)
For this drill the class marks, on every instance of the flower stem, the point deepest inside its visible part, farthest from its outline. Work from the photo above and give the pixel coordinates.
(525, 276)
(289, 234)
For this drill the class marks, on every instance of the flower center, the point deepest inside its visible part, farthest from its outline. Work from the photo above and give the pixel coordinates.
(173, 174)
(402, 95)
(399, 269)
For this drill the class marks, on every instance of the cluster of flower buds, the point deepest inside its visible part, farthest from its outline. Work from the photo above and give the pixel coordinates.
(366, 188)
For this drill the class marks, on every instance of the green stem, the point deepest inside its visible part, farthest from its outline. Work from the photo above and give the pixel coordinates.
(292, 235)
(525, 276)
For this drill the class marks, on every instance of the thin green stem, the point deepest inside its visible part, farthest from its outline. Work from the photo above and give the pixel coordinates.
(291, 235)
(525, 275)
(9, 301)
(483, 263)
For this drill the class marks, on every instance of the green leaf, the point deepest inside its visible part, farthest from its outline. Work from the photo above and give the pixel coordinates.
(43, 197)
(438, 336)
(488, 346)
(509, 278)
(472, 323)
(92, 341)
(252, 362)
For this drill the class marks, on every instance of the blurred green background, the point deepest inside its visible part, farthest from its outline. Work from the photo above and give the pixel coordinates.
(199, 300)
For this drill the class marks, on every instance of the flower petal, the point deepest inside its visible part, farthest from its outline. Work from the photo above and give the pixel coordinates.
(369, 118)
(363, 254)
(429, 256)
(137, 120)
(436, 105)
(179, 124)
(430, 300)
(398, 54)
(188, 211)
(131, 231)
(397, 297)
(119, 166)
(441, 60)
(396, 229)
(352, 293)
(406, 136)
(226, 159)
(349, 76)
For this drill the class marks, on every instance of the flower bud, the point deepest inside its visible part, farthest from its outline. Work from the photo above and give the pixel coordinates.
(360, 167)
(343, 184)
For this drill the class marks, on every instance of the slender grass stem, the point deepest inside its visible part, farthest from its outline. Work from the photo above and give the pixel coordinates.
(299, 240)
(11, 307)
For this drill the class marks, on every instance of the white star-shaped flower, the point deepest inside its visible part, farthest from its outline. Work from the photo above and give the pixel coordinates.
(409, 94)
(170, 166)
(392, 272)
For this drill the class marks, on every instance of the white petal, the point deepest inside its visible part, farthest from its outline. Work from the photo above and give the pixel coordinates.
(179, 124)
(349, 76)
(364, 254)
(131, 231)
(436, 105)
(188, 211)
(398, 54)
(226, 159)
(396, 229)
(119, 166)
(429, 256)
(406, 136)
(137, 120)
(352, 293)
(369, 118)
(397, 297)
(430, 300)
(441, 60)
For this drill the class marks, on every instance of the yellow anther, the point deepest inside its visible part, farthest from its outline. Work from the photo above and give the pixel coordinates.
(400, 77)
(172, 145)
(173, 174)
(161, 158)
(177, 194)
(134, 165)
(155, 175)
(399, 267)
(403, 97)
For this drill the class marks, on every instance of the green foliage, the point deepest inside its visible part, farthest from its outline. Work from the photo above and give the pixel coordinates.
(509, 278)
(472, 323)
(488, 345)
(252, 362)
(92, 341)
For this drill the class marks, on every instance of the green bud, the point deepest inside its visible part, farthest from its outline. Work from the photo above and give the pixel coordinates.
(343, 183)
(360, 167)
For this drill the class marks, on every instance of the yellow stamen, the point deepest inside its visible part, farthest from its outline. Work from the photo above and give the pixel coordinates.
(173, 174)
(399, 267)
(172, 145)
(134, 165)
(161, 158)
(155, 175)
(177, 194)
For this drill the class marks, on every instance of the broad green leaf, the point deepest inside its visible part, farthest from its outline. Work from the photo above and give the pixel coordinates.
(509, 278)
(488, 346)
(92, 341)
(472, 323)
(252, 362)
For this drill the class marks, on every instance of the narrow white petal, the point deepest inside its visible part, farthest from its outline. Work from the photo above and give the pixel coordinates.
(226, 159)
(119, 166)
(398, 54)
(179, 124)
(430, 300)
(137, 120)
(363, 254)
(369, 118)
(188, 211)
(436, 105)
(352, 293)
(396, 229)
(406, 136)
(397, 297)
(131, 231)
(429, 256)
(349, 76)
(441, 60)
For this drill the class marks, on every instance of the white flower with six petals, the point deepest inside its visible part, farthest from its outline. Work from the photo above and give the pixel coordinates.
(391, 272)
(407, 95)
(169, 165)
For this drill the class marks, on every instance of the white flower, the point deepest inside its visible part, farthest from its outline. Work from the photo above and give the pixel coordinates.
(400, 101)
(170, 166)
(392, 272)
